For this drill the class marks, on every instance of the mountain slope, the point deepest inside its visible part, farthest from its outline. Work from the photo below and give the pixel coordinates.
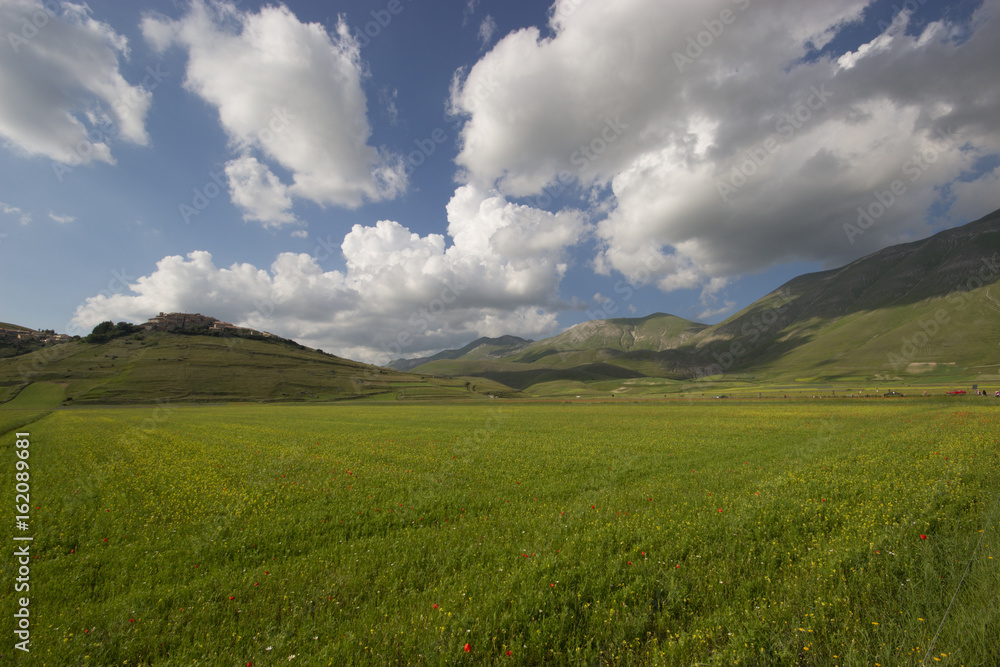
(655, 332)
(850, 320)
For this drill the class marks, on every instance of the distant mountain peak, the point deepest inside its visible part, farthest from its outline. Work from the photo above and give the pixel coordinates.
(481, 348)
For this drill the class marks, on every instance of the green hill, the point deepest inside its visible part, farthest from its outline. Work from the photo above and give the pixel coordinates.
(150, 367)
(17, 327)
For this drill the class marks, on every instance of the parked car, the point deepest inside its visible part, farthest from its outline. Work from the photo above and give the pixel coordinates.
(892, 393)
(956, 392)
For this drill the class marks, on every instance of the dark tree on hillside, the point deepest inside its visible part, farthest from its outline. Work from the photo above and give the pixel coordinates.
(103, 329)
(108, 330)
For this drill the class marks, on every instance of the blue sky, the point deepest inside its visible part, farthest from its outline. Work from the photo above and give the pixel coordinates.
(391, 178)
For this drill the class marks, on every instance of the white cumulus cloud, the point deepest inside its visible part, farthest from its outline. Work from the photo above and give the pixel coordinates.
(289, 91)
(722, 143)
(256, 190)
(64, 96)
(402, 294)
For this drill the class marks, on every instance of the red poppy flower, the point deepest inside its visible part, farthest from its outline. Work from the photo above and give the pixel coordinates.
(468, 648)
(509, 653)
(923, 537)
(232, 597)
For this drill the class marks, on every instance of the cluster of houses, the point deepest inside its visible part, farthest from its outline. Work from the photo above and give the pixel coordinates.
(15, 336)
(181, 321)
(162, 322)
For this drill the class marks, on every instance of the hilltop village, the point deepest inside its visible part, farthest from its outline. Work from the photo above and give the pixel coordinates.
(16, 336)
(185, 321)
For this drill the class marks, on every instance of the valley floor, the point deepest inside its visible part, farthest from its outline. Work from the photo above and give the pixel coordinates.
(753, 532)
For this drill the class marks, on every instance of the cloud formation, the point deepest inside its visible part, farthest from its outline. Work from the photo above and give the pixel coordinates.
(61, 219)
(402, 294)
(23, 217)
(701, 141)
(64, 95)
(288, 92)
(487, 29)
(725, 141)
(256, 190)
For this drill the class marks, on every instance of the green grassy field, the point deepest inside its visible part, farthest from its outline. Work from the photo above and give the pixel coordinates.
(830, 532)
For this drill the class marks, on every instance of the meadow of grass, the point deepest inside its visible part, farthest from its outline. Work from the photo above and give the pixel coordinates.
(30, 404)
(674, 533)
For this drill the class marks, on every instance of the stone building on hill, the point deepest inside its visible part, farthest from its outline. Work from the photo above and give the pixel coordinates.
(175, 321)
(13, 336)
(182, 321)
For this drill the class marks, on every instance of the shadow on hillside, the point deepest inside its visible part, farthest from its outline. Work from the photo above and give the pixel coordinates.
(588, 373)
(733, 356)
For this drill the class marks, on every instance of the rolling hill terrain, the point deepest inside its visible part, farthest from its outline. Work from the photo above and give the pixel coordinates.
(160, 366)
(924, 311)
